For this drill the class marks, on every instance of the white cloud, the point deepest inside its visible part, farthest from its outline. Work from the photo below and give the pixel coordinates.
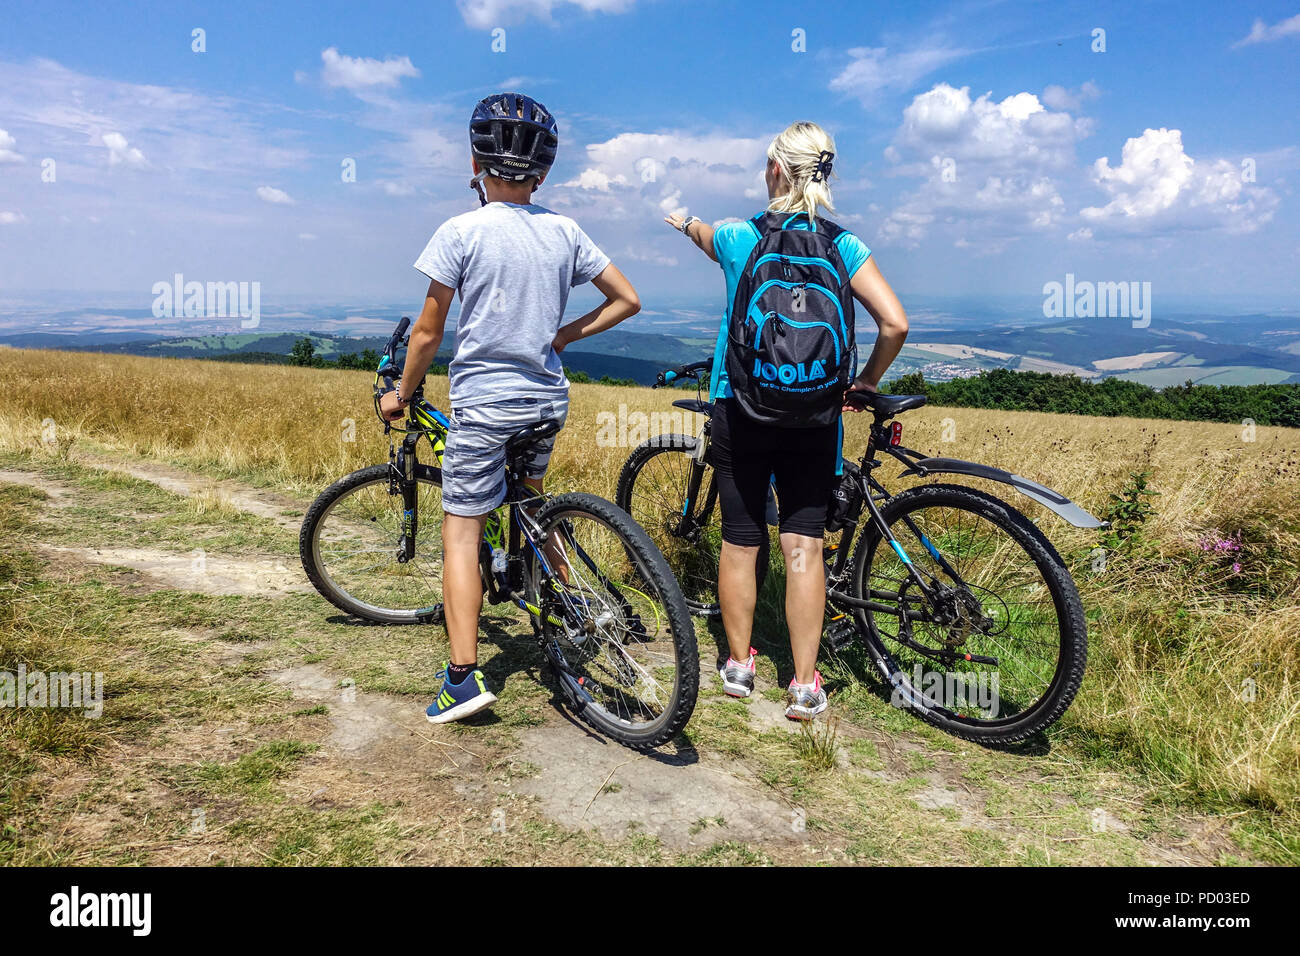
(122, 152)
(11, 218)
(1059, 98)
(274, 196)
(874, 70)
(486, 14)
(1260, 32)
(597, 180)
(392, 188)
(1018, 130)
(985, 163)
(308, 236)
(7, 152)
(359, 73)
(646, 253)
(668, 171)
(1158, 188)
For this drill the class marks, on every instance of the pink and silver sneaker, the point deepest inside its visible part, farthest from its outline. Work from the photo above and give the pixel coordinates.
(806, 700)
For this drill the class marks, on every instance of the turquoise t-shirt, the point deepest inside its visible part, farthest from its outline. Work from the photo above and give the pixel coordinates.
(732, 244)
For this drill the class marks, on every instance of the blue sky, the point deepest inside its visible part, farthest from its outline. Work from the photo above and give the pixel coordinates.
(984, 147)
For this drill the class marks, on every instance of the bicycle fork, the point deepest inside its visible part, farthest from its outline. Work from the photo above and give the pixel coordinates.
(403, 477)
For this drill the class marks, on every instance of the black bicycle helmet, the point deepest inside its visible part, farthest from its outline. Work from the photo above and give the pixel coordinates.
(513, 136)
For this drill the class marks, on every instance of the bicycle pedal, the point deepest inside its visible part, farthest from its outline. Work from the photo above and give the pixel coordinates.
(840, 633)
(431, 615)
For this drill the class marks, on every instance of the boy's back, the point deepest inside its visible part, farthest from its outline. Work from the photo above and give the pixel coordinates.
(513, 266)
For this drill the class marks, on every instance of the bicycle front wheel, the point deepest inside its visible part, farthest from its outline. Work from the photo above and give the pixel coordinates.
(652, 488)
(993, 649)
(613, 621)
(349, 548)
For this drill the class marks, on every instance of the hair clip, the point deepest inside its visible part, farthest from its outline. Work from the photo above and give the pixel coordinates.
(823, 170)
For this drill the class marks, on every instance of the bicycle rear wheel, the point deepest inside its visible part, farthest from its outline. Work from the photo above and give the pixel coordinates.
(613, 621)
(348, 545)
(996, 652)
(652, 489)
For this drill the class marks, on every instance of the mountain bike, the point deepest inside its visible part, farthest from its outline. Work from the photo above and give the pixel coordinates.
(960, 602)
(604, 606)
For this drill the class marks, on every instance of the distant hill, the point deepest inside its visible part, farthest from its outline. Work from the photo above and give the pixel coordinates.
(614, 353)
(1204, 348)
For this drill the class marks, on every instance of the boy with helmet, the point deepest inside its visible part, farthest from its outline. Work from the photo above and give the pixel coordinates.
(513, 264)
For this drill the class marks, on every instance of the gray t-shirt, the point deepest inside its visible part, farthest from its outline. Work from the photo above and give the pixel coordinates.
(513, 267)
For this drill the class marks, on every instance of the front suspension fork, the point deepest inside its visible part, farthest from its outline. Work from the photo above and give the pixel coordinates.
(406, 485)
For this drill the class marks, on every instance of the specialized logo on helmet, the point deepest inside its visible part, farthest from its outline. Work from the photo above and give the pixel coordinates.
(789, 374)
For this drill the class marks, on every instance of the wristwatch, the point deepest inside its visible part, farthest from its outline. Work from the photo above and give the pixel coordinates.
(686, 224)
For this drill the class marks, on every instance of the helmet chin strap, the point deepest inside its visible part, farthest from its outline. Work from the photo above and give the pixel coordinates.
(476, 185)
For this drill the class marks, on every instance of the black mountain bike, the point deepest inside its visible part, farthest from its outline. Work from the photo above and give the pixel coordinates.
(958, 599)
(605, 608)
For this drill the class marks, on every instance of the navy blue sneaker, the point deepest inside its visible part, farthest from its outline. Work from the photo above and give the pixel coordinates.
(457, 701)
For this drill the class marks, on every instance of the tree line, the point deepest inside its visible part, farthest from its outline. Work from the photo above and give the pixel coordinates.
(1070, 395)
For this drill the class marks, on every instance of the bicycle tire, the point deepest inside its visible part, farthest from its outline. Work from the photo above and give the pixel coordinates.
(626, 498)
(654, 571)
(318, 574)
(1073, 641)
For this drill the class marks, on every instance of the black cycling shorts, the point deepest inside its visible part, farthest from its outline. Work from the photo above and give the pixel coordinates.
(746, 454)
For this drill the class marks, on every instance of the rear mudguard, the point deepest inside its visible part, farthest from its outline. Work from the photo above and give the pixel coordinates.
(1052, 500)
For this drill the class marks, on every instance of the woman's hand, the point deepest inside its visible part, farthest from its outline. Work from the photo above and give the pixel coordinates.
(701, 233)
(390, 407)
(857, 386)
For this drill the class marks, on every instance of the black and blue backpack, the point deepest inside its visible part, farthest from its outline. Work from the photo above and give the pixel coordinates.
(791, 351)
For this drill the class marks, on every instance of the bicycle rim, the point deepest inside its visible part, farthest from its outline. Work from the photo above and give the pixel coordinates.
(1001, 609)
(611, 627)
(354, 548)
(656, 500)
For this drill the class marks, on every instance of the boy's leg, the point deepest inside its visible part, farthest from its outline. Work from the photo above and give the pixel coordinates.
(462, 586)
(473, 484)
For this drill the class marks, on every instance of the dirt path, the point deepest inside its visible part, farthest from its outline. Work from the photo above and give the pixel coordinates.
(378, 745)
(255, 501)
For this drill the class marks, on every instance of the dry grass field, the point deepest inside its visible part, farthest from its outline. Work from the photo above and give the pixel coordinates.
(1186, 730)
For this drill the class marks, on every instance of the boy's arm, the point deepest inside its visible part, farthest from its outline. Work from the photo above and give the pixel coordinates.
(426, 336)
(621, 302)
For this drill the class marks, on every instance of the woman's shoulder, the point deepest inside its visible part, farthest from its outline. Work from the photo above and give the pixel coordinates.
(852, 249)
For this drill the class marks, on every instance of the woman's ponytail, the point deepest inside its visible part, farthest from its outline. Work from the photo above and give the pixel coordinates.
(804, 151)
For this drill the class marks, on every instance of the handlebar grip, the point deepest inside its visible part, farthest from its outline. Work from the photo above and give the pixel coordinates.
(402, 326)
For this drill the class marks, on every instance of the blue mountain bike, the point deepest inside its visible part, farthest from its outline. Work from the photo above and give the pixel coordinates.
(604, 605)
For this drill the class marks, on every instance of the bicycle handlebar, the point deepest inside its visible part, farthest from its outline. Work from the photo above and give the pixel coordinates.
(684, 371)
(395, 341)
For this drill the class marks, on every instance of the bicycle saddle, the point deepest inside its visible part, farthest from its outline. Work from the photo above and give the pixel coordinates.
(518, 443)
(886, 406)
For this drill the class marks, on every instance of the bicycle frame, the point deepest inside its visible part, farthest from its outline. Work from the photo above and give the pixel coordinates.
(884, 437)
(425, 420)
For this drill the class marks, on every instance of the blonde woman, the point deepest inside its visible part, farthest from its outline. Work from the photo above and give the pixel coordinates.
(785, 357)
